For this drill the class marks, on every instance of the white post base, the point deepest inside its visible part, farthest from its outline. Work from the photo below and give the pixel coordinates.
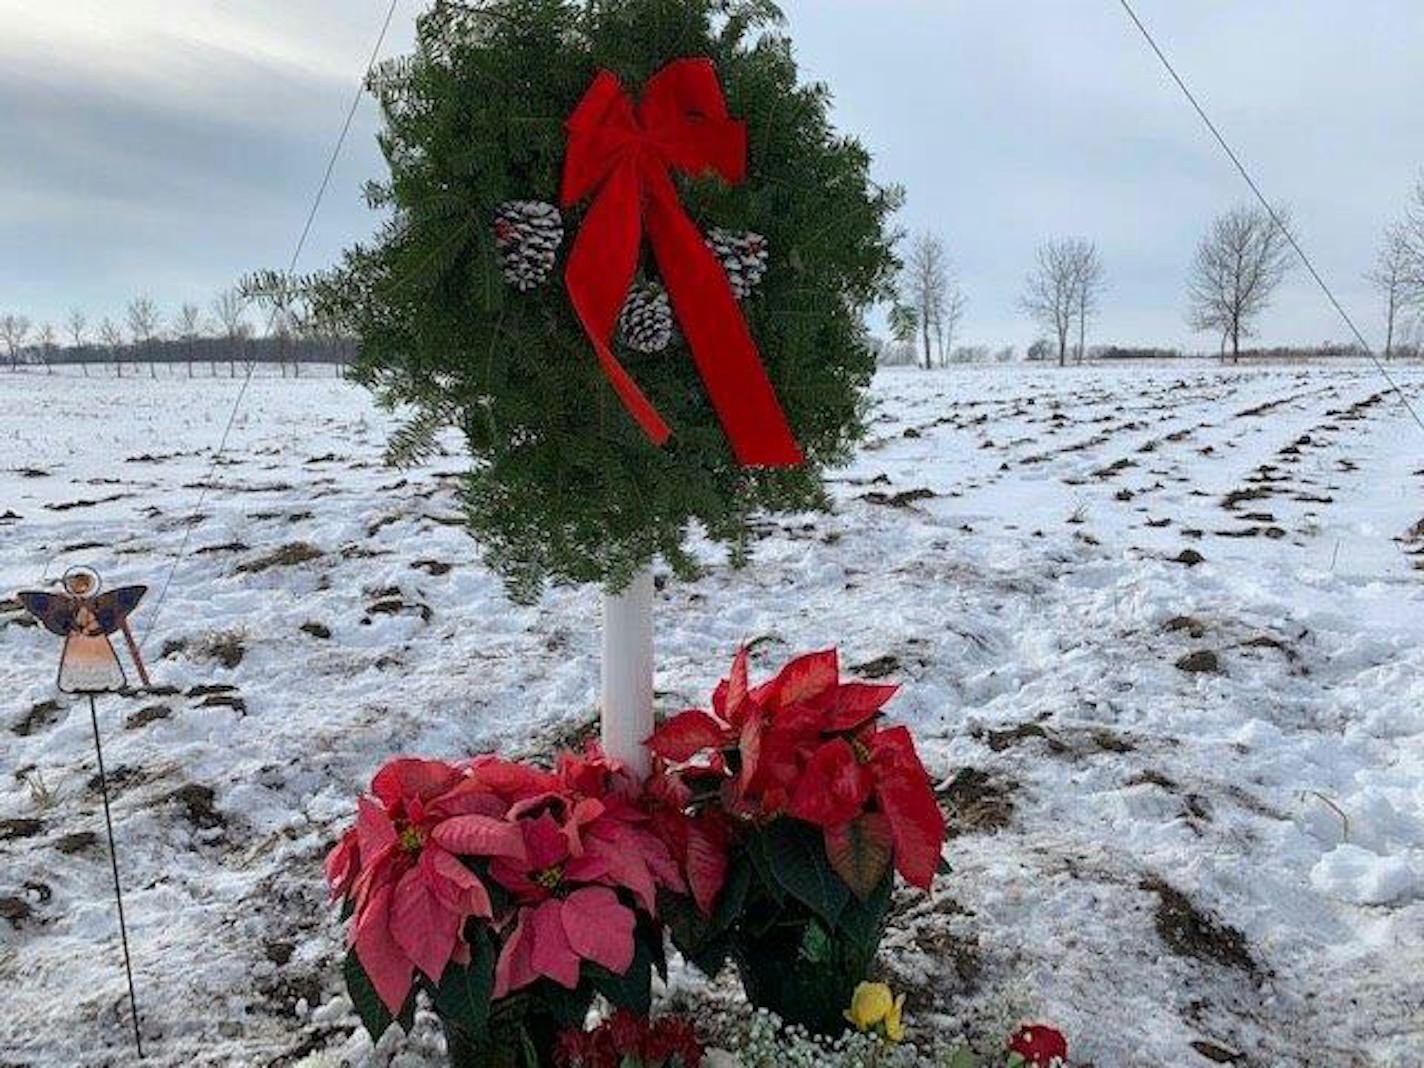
(627, 702)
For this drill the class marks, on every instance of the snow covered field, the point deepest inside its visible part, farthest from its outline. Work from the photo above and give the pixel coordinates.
(1161, 632)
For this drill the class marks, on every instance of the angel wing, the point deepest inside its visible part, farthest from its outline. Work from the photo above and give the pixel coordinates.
(55, 610)
(112, 608)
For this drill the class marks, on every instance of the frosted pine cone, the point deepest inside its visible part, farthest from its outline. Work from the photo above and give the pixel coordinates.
(528, 234)
(744, 257)
(646, 319)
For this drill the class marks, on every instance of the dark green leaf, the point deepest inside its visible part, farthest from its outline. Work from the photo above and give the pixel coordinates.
(568, 1007)
(463, 997)
(797, 853)
(759, 856)
(862, 924)
(633, 990)
(733, 899)
(375, 1017)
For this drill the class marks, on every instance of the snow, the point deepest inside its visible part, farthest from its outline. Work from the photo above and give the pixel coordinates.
(1353, 873)
(1029, 597)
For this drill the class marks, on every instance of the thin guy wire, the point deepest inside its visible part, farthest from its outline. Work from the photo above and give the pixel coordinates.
(207, 482)
(114, 865)
(1255, 189)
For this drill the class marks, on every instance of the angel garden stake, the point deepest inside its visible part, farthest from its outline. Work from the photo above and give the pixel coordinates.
(85, 617)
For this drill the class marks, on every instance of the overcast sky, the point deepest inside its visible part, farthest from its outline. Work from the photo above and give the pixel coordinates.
(166, 147)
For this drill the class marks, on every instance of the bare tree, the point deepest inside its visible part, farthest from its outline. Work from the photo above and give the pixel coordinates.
(112, 338)
(14, 331)
(45, 339)
(188, 328)
(1413, 231)
(228, 309)
(1238, 265)
(1050, 294)
(951, 315)
(76, 325)
(1090, 281)
(926, 285)
(1392, 275)
(143, 328)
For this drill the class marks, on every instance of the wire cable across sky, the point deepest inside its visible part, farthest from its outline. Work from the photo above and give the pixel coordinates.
(1271, 211)
(207, 482)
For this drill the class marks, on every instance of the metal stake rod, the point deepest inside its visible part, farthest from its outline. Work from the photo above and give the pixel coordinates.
(114, 864)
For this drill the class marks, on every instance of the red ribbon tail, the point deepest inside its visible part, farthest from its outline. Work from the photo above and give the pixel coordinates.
(721, 344)
(638, 405)
(600, 269)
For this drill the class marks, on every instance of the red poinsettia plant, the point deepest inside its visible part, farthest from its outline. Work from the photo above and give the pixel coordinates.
(810, 745)
(485, 879)
(797, 800)
(627, 1040)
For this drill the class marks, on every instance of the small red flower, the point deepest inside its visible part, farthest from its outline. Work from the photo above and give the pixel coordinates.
(628, 1031)
(1040, 1046)
(673, 1037)
(627, 1039)
(571, 1049)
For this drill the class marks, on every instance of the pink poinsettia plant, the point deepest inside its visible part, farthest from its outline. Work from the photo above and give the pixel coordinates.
(499, 877)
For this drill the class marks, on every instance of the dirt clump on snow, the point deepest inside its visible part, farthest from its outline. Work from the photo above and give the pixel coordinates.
(77, 842)
(1203, 661)
(40, 716)
(149, 714)
(1191, 624)
(16, 910)
(998, 741)
(899, 500)
(1189, 932)
(226, 647)
(296, 553)
(879, 668)
(19, 828)
(974, 803)
(197, 803)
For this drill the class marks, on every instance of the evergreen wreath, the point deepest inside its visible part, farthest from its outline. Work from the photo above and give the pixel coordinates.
(564, 484)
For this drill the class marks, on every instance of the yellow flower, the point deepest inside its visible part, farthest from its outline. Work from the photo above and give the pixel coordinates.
(869, 1005)
(874, 1008)
(894, 1022)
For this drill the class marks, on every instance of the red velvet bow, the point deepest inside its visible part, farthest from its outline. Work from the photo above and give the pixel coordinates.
(622, 156)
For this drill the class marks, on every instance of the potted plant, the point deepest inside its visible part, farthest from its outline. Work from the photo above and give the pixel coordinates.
(818, 805)
(510, 895)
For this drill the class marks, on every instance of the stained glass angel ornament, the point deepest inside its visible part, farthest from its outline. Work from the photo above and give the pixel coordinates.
(85, 617)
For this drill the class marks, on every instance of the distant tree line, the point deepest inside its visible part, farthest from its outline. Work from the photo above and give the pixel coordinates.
(1238, 265)
(220, 338)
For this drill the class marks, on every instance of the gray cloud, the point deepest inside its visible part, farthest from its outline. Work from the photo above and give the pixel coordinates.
(168, 151)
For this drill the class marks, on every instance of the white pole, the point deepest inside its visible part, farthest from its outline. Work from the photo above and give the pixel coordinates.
(628, 673)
